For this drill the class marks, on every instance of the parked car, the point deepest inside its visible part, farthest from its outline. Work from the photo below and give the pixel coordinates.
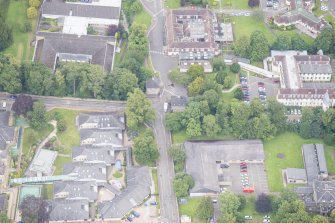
(153, 203)
(248, 217)
(136, 214)
(129, 219)
(266, 216)
(12, 96)
(243, 170)
(243, 163)
(224, 165)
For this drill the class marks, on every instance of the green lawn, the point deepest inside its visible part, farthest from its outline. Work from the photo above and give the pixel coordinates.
(32, 137)
(190, 208)
(250, 209)
(288, 144)
(172, 4)
(16, 16)
(143, 18)
(235, 4)
(47, 191)
(244, 26)
(70, 137)
(59, 164)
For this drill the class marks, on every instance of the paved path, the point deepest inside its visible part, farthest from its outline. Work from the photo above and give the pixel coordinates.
(231, 89)
(50, 136)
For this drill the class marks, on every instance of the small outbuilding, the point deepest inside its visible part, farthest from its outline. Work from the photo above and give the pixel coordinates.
(178, 103)
(296, 176)
(153, 86)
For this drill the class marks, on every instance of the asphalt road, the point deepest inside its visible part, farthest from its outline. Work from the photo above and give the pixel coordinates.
(72, 103)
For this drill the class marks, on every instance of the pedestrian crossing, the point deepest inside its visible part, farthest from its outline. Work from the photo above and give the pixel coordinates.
(156, 52)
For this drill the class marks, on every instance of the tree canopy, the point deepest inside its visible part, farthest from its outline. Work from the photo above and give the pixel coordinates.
(205, 208)
(182, 183)
(6, 36)
(22, 105)
(145, 148)
(138, 110)
(38, 116)
(34, 210)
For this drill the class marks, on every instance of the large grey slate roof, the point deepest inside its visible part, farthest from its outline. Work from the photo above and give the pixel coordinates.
(86, 171)
(314, 160)
(137, 189)
(102, 137)
(4, 117)
(178, 101)
(6, 135)
(67, 210)
(324, 191)
(77, 189)
(103, 120)
(60, 7)
(152, 83)
(297, 174)
(201, 157)
(99, 47)
(315, 69)
(95, 154)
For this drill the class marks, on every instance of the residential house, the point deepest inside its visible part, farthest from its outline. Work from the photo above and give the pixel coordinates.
(42, 163)
(300, 16)
(65, 210)
(178, 103)
(137, 190)
(97, 137)
(101, 121)
(153, 86)
(85, 154)
(296, 176)
(86, 171)
(76, 190)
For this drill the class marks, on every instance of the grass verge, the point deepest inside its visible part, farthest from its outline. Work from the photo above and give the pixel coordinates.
(143, 18)
(47, 191)
(190, 209)
(172, 4)
(60, 161)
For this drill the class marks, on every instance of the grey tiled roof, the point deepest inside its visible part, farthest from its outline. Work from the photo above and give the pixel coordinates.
(178, 101)
(6, 135)
(4, 117)
(296, 174)
(60, 7)
(67, 210)
(152, 83)
(95, 154)
(49, 44)
(77, 189)
(137, 189)
(86, 171)
(315, 69)
(103, 120)
(102, 137)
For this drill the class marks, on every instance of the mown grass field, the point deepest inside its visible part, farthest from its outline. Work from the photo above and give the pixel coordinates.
(16, 16)
(289, 144)
(190, 208)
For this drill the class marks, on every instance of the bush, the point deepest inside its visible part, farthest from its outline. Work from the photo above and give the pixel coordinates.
(178, 167)
(61, 125)
(117, 174)
(235, 67)
(329, 139)
(34, 3)
(26, 27)
(31, 12)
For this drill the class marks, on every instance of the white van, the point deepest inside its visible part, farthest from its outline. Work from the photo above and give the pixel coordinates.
(4, 104)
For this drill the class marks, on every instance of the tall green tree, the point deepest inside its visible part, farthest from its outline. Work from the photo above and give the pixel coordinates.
(298, 43)
(210, 126)
(145, 148)
(6, 36)
(138, 40)
(311, 123)
(325, 40)
(205, 208)
(283, 42)
(182, 183)
(177, 153)
(39, 80)
(139, 110)
(242, 47)
(194, 88)
(119, 83)
(229, 203)
(173, 121)
(60, 86)
(259, 46)
(38, 116)
(193, 127)
(195, 71)
(10, 79)
(319, 219)
(276, 112)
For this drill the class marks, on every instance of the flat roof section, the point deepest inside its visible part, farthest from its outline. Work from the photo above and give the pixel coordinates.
(43, 161)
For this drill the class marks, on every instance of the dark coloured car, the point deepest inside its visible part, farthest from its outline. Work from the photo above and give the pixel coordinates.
(12, 96)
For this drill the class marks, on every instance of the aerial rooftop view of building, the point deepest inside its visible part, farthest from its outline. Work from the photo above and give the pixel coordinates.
(94, 154)
(74, 17)
(178, 103)
(98, 137)
(190, 30)
(100, 121)
(298, 71)
(86, 171)
(318, 193)
(300, 16)
(76, 190)
(51, 48)
(137, 190)
(202, 160)
(42, 164)
(62, 210)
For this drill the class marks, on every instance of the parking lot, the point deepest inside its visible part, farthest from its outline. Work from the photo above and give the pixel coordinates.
(255, 177)
(147, 213)
(270, 88)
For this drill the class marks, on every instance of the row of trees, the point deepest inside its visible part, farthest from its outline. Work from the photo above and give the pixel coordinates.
(257, 47)
(32, 11)
(6, 36)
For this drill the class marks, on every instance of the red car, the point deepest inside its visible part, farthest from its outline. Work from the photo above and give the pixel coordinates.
(243, 170)
(243, 163)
